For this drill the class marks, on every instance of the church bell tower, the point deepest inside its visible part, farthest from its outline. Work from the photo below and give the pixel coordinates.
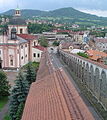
(17, 12)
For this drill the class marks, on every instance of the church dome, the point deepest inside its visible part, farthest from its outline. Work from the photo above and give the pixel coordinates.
(17, 21)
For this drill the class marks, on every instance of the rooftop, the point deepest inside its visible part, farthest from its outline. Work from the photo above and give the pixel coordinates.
(17, 21)
(27, 36)
(40, 48)
(95, 54)
(53, 96)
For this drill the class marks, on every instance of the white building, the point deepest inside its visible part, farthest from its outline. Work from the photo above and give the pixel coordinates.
(101, 44)
(16, 45)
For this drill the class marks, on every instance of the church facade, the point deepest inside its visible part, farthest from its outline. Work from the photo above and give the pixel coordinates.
(17, 46)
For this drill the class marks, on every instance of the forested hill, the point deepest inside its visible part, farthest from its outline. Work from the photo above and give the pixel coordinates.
(63, 12)
(69, 13)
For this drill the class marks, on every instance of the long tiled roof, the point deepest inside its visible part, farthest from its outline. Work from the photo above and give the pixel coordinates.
(27, 36)
(53, 96)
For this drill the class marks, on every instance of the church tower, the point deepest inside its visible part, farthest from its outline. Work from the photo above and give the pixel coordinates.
(17, 25)
(17, 12)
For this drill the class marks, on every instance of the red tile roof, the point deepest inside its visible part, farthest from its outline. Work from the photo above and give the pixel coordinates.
(62, 31)
(93, 62)
(27, 36)
(40, 48)
(95, 54)
(53, 96)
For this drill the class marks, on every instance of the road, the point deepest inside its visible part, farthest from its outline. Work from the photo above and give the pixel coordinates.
(58, 65)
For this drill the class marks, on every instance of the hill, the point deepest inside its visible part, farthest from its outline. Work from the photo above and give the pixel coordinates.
(66, 14)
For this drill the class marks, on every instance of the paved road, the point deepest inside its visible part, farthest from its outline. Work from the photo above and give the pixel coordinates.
(58, 65)
(4, 111)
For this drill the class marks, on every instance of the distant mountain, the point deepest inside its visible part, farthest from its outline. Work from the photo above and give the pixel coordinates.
(26, 13)
(69, 12)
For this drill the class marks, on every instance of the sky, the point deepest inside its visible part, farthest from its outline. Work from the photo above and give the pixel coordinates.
(97, 7)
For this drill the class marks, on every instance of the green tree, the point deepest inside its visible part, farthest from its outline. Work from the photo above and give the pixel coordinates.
(56, 43)
(30, 73)
(20, 111)
(18, 96)
(43, 42)
(83, 55)
(4, 85)
(39, 28)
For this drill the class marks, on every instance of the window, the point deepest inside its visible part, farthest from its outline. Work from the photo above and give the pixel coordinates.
(22, 57)
(34, 43)
(25, 45)
(21, 46)
(38, 55)
(26, 56)
(0, 51)
(34, 55)
(21, 31)
(11, 62)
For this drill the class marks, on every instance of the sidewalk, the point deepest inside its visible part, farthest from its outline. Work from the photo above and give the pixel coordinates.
(4, 111)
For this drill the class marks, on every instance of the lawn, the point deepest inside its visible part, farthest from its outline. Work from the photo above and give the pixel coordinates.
(3, 101)
(6, 117)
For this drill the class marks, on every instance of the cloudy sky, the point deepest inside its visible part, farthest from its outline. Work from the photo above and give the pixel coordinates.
(98, 7)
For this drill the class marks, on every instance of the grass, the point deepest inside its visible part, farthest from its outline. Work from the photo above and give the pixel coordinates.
(6, 117)
(3, 101)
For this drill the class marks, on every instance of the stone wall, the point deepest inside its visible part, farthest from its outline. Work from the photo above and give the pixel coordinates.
(93, 75)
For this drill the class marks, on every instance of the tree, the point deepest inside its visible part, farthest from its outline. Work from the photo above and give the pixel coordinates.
(83, 54)
(39, 28)
(56, 43)
(43, 42)
(4, 85)
(20, 111)
(30, 73)
(18, 96)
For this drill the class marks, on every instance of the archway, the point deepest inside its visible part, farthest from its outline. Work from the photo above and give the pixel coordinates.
(87, 75)
(103, 89)
(0, 64)
(91, 80)
(97, 83)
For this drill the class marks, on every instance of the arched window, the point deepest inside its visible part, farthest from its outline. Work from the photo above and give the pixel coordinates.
(34, 43)
(21, 31)
(13, 33)
(38, 55)
(34, 55)
(11, 62)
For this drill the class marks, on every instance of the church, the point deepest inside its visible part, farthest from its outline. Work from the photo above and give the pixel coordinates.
(17, 47)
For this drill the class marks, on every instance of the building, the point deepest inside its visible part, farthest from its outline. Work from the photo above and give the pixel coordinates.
(101, 44)
(53, 36)
(68, 46)
(16, 45)
(77, 36)
(96, 55)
